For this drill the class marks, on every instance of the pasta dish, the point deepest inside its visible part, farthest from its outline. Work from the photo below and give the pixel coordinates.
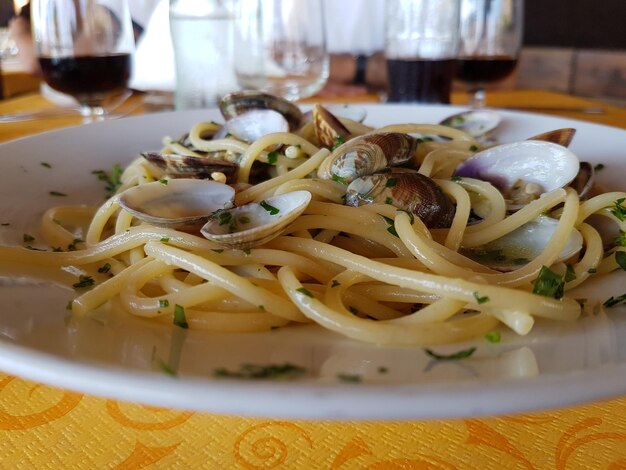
(411, 234)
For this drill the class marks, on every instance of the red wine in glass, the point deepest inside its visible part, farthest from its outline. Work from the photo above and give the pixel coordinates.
(480, 69)
(420, 80)
(87, 78)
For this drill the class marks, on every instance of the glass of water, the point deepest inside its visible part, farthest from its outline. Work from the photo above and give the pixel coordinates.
(280, 47)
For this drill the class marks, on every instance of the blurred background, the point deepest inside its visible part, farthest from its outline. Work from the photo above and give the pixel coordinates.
(570, 46)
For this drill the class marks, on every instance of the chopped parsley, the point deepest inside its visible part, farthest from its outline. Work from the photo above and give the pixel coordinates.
(338, 142)
(255, 371)
(105, 268)
(244, 220)
(612, 301)
(56, 221)
(179, 317)
(57, 193)
(269, 208)
(388, 200)
(166, 368)
(621, 239)
(261, 308)
(272, 158)
(618, 210)
(223, 217)
(599, 167)
(382, 370)
(72, 246)
(620, 258)
(83, 282)
(481, 299)
(305, 291)
(549, 284)
(339, 179)
(392, 228)
(456, 179)
(570, 274)
(473, 148)
(112, 179)
(247, 251)
(163, 181)
(26, 238)
(219, 250)
(592, 270)
(45, 165)
(463, 354)
(69, 305)
(350, 378)
(164, 239)
(335, 283)
(391, 182)
(493, 337)
(164, 303)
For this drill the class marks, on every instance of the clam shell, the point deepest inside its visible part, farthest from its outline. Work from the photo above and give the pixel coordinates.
(523, 245)
(367, 154)
(328, 129)
(186, 166)
(255, 223)
(406, 190)
(253, 125)
(584, 180)
(476, 122)
(558, 136)
(182, 204)
(546, 164)
(240, 102)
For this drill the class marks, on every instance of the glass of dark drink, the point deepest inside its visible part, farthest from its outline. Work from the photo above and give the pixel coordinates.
(491, 38)
(421, 47)
(84, 49)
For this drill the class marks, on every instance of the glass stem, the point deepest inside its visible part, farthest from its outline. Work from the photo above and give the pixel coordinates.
(92, 113)
(478, 97)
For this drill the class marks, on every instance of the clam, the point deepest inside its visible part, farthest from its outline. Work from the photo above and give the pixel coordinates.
(522, 170)
(182, 204)
(407, 190)
(523, 244)
(476, 122)
(241, 102)
(346, 111)
(253, 125)
(186, 166)
(255, 223)
(367, 154)
(584, 180)
(328, 129)
(559, 136)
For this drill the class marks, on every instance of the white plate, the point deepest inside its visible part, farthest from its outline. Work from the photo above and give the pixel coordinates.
(557, 364)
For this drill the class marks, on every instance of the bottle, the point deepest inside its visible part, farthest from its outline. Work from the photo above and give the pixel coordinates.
(202, 34)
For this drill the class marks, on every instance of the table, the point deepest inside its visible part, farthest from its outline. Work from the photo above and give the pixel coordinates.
(45, 427)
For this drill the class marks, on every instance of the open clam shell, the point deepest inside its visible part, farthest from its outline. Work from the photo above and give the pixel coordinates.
(255, 223)
(187, 166)
(253, 125)
(407, 190)
(367, 154)
(522, 245)
(241, 102)
(548, 165)
(476, 122)
(328, 129)
(181, 204)
(562, 137)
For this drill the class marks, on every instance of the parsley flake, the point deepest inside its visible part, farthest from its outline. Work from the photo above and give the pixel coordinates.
(350, 378)
(26, 238)
(83, 282)
(338, 142)
(247, 251)
(335, 283)
(481, 299)
(57, 193)
(164, 239)
(388, 200)
(306, 292)
(599, 167)
(570, 274)
(269, 208)
(254, 371)
(463, 354)
(164, 303)
(549, 284)
(179, 317)
(621, 239)
(272, 158)
(339, 179)
(45, 165)
(493, 337)
(618, 210)
(592, 270)
(612, 301)
(620, 258)
(105, 268)
(164, 181)
(112, 179)
(391, 182)
(166, 368)
(69, 305)
(473, 148)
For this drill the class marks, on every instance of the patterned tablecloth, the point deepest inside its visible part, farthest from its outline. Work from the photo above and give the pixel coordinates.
(44, 427)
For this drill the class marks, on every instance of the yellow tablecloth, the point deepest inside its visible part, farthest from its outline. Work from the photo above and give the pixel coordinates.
(44, 427)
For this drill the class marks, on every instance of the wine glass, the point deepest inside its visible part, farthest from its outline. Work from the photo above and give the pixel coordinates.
(280, 47)
(491, 38)
(84, 49)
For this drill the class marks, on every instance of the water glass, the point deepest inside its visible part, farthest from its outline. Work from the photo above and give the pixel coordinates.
(280, 47)
(202, 35)
(421, 46)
